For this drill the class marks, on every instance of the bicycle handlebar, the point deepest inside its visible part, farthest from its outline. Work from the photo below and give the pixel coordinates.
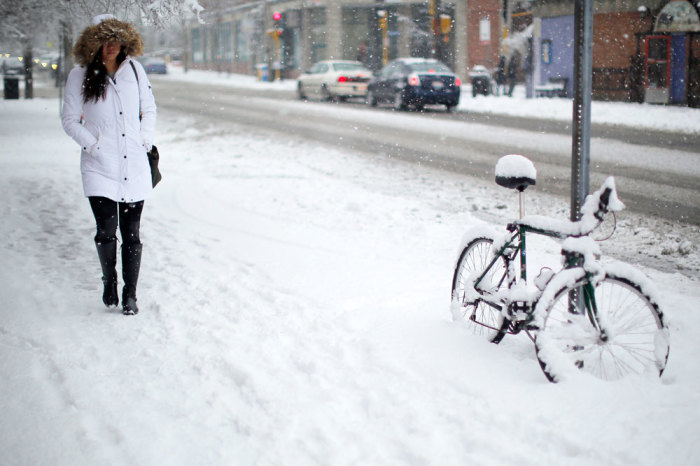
(603, 204)
(593, 210)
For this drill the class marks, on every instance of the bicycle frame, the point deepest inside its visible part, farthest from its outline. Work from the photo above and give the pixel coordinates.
(517, 243)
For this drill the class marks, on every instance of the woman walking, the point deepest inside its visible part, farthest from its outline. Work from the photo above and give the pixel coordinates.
(109, 109)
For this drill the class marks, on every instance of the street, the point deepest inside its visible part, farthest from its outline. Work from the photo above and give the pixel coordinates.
(657, 173)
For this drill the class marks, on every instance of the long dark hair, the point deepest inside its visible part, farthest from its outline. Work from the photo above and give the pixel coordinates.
(95, 82)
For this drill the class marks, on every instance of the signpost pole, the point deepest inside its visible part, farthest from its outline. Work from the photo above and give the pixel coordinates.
(583, 86)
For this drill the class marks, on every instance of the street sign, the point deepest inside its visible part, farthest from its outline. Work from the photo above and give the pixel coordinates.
(485, 31)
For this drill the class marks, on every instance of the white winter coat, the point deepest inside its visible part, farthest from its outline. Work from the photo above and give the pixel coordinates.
(114, 142)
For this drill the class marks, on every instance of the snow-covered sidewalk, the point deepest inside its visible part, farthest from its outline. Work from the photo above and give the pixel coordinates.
(295, 310)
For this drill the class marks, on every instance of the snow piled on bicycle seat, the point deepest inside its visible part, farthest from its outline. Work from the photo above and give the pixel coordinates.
(515, 166)
(294, 303)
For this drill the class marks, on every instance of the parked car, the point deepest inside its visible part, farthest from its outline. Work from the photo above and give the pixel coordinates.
(481, 80)
(330, 79)
(154, 65)
(415, 81)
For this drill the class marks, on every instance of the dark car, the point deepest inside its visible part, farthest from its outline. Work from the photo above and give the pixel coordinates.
(154, 65)
(415, 82)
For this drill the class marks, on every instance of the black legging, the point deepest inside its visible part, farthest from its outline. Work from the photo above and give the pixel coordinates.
(109, 214)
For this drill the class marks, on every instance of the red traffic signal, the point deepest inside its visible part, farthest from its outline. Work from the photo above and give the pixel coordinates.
(277, 16)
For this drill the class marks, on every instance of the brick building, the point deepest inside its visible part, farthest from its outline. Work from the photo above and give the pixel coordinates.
(643, 50)
(485, 24)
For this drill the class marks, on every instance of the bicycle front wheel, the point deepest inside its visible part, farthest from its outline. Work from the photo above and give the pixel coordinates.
(484, 319)
(632, 338)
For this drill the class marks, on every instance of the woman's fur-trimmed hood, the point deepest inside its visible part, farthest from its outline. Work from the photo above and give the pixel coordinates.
(93, 37)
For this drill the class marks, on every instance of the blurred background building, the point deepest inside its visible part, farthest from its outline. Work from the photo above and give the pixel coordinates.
(644, 50)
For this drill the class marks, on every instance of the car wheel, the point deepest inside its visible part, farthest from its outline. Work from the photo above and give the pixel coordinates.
(300, 92)
(399, 103)
(326, 94)
(371, 99)
(450, 107)
(420, 107)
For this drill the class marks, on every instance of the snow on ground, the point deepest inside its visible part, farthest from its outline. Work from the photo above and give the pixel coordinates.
(294, 310)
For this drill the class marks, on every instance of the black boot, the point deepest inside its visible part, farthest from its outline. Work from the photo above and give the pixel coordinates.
(107, 252)
(131, 264)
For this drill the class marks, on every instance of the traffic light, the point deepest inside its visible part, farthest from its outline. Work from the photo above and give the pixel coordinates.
(383, 20)
(445, 24)
(277, 19)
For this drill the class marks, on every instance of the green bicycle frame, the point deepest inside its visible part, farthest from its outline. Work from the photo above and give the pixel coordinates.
(518, 242)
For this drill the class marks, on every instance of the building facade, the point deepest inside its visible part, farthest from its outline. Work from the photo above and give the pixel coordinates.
(643, 50)
(290, 36)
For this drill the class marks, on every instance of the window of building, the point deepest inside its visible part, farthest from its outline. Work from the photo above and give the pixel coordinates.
(206, 51)
(197, 56)
(318, 16)
(242, 48)
(222, 43)
(546, 51)
(226, 42)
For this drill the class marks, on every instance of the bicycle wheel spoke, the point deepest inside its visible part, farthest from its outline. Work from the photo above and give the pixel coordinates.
(483, 318)
(627, 343)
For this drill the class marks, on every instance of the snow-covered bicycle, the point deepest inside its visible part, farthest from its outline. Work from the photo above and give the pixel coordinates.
(602, 319)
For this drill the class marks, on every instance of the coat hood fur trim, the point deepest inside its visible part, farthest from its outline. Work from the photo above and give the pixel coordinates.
(93, 37)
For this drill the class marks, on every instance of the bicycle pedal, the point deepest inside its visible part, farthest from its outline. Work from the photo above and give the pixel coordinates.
(519, 311)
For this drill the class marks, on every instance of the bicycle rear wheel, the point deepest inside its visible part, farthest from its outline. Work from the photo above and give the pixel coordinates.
(483, 319)
(634, 338)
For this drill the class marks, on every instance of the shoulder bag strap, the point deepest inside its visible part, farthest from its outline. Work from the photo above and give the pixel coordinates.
(137, 84)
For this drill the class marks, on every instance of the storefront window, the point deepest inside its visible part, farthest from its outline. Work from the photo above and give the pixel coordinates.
(222, 43)
(196, 46)
(658, 55)
(241, 43)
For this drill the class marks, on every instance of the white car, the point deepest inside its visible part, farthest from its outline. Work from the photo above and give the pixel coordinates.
(331, 79)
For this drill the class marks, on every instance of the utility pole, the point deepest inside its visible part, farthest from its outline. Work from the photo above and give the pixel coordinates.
(583, 87)
(434, 27)
(507, 18)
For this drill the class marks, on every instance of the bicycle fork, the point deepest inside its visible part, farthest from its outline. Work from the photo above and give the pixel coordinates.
(592, 309)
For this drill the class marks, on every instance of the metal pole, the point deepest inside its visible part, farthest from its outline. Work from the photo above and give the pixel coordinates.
(59, 76)
(432, 11)
(583, 77)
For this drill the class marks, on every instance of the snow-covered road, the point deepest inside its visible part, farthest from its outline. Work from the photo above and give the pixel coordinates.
(295, 310)
(655, 179)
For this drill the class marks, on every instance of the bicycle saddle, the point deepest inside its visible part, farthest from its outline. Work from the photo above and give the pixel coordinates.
(515, 172)
(519, 183)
